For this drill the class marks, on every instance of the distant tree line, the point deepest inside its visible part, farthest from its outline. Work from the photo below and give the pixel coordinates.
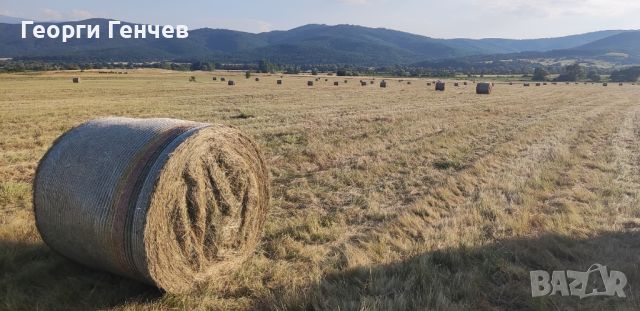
(445, 68)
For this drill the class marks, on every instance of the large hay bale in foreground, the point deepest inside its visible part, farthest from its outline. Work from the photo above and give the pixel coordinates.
(168, 202)
(483, 88)
(439, 86)
(76, 80)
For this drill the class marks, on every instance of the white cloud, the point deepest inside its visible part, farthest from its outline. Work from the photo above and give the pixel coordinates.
(53, 15)
(354, 1)
(558, 8)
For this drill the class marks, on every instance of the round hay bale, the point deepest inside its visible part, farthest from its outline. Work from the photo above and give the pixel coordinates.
(464, 83)
(605, 84)
(336, 83)
(309, 83)
(408, 82)
(456, 84)
(538, 84)
(76, 80)
(383, 84)
(192, 79)
(279, 82)
(257, 79)
(362, 83)
(223, 79)
(167, 202)
(231, 82)
(483, 88)
(510, 83)
(526, 84)
(215, 79)
(371, 82)
(345, 81)
(428, 83)
(439, 86)
(621, 84)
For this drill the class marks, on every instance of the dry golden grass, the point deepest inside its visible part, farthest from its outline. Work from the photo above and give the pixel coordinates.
(396, 198)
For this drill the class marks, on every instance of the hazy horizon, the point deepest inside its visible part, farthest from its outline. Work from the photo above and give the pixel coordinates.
(471, 19)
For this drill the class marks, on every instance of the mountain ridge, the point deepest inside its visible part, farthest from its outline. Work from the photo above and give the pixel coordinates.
(309, 44)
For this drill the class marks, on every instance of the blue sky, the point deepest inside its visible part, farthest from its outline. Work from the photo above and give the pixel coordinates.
(441, 19)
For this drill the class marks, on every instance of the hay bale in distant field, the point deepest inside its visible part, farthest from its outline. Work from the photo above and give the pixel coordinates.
(439, 86)
(222, 79)
(428, 83)
(231, 82)
(345, 81)
(336, 83)
(309, 83)
(408, 82)
(621, 84)
(456, 84)
(538, 84)
(362, 83)
(383, 84)
(257, 79)
(326, 80)
(464, 83)
(76, 80)
(605, 84)
(192, 79)
(214, 79)
(510, 83)
(545, 83)
(167, 202)
(279, 82)
(526, 84)
(371, 82)
(483, 88)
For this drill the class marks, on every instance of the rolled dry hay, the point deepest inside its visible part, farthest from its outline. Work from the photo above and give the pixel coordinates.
(483, 88)
(215, 79)
(544, 83)
(345, 81)
(371, 82)
(76, 80)
(538, 84)
(439, 86)
(231, 82)
(428, 83)
(383, 84)
(408, 82)
(464, 83)
(257, 79)
(309, 83)
(526, 84)
(362, 83)
(279, 82)
(168, 202)
(510, 83)
(605, 84)
(620, 84)
(222, 79)
(456, 84)
(336, 83)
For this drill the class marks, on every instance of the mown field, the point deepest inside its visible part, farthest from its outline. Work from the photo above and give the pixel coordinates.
(398, 198)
